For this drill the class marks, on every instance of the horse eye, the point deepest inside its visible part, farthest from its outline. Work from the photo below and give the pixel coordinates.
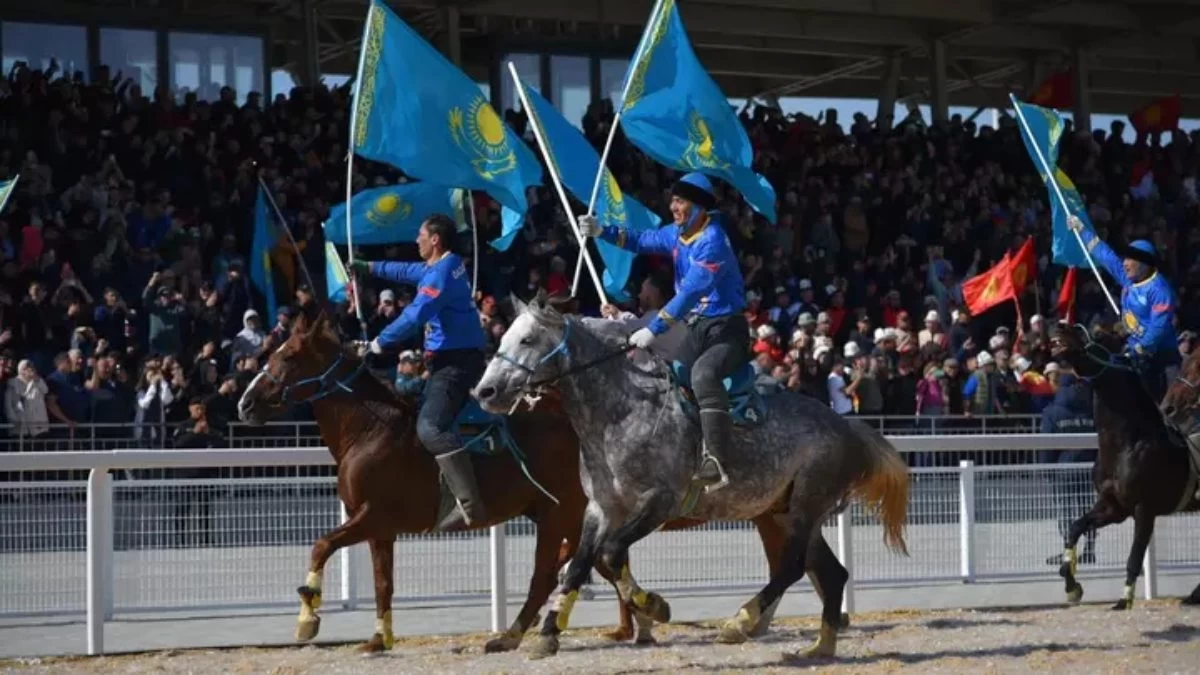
(527, 340)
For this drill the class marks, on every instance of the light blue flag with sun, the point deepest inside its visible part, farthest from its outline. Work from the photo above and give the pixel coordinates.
(577, 162)
(676, 113)
(6, 190)
(415, 110)
(262, 273)
(1042, 129)
(390, 214)
(337, 280)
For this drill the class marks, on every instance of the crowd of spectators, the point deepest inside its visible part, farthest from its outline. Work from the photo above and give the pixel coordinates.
(125, 300)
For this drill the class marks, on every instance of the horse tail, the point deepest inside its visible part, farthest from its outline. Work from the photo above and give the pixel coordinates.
(883, 486)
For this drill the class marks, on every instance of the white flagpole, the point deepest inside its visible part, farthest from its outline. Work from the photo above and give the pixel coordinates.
(1050, 172)
(562, 195)
(468, 204)
(358, 83)
(578, 273)
(612, 130)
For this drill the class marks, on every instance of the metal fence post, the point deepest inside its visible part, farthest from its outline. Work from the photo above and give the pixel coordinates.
(499, 578)
(349, 573)
(966, 519)
(1150, 567)
(108, 519)
(846, 555)
(99, 551)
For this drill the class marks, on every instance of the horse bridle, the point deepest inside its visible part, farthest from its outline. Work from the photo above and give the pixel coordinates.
(324, 386)
(531, 390)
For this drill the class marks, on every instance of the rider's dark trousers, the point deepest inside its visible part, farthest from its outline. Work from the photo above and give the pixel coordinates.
(718, 346)
(452, 373)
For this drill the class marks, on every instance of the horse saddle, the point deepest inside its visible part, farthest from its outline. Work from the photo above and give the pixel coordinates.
(746, 405)
(483, 432)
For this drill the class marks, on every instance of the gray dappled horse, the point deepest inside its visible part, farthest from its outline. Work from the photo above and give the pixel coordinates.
(639, 449)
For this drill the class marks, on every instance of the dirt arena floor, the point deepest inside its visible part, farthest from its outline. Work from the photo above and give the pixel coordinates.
(1156, 637)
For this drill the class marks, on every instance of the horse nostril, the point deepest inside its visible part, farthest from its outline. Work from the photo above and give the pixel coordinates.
(485, 393)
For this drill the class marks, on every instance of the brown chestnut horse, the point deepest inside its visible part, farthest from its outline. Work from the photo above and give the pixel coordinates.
(390, 485)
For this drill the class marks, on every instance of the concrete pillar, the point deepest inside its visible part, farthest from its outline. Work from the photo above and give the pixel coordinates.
(939, 100)
(453, 35)
(1083, 99)
(889, 89)
(310, 63)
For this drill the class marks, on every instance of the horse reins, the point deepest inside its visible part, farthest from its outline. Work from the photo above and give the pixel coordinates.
(533, 388)
(323, 390)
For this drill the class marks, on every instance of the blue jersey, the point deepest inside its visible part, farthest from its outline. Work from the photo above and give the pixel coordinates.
(708, 280)
(1147, 307)
(443, 304)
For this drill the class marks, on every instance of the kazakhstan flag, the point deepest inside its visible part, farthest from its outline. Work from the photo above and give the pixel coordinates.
(261, 271)
(676, 114)
(577, 164)
(1042, 129)
(389, 215)
(6, 190)
(414, 110)
(337, 280)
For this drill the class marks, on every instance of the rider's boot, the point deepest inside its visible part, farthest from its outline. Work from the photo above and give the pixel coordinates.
(717, 427)
(460, 478)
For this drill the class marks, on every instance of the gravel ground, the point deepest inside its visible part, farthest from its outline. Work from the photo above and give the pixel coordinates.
(1156, 637)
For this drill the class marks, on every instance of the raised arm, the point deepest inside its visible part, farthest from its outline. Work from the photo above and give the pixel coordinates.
(1101, 252)
(424, 307)
(660, 241)
(399, 272)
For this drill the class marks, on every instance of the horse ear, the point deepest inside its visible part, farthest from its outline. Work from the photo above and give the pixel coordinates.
(518, 304)
(541, 300)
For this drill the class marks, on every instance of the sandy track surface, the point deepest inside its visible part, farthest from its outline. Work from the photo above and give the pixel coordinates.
(1156, 637)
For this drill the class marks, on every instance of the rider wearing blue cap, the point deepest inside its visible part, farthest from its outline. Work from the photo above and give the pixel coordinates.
(1147, 308)
(454, 336)
(709, 297)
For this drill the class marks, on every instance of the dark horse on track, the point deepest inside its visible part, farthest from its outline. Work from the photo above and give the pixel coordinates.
(1142, 468)
(390, 484)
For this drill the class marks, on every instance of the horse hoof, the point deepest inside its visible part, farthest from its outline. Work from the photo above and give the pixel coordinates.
(378, 643)
(817, 651)
(731, 633)
(1191, 600)
(761, 629)
(645, 641)
(656, 608)
(1075, 594)
(502, 643)
(1122, 605)
(619, 635)
(307, 628)
(543, 646)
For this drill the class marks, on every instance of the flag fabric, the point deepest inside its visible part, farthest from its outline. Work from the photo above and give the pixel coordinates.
(415, 110)
(389, 215)
(262, 271)
(984, 291)
(1065, 309)
(1023, 266)
(6, 189)
(1056, 92)
(337, 280)
(677, 114)
(1161, 115)
(1041, 131)
(577, 163)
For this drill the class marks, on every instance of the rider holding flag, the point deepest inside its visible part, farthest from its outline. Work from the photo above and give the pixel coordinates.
(709, 298)
(454, 342)
(1147, 308)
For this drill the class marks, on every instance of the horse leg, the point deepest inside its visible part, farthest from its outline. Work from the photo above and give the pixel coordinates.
(772, 535)
(348, 533)
(559, 616)
(1143, 529)
(829, 579)
(381, 561)
(625, 631)
(737, 629)
(546, 555)
(1103, 513)
(652, 510)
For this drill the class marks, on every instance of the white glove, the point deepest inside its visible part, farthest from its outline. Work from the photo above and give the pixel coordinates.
(642, 338)
(363, 347)
(1075, 223)
(589, 227)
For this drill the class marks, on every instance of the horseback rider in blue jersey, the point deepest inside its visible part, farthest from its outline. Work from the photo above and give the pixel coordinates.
(709, 297)
(1147, 309)
(454, 343)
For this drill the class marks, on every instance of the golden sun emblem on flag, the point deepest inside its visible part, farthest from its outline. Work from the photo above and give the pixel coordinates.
(389, 210)
(478, 131)
(991, 290)
(614, 201)
(1019, 276)
(701, 151)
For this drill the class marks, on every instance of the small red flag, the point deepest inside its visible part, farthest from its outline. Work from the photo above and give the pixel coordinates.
(1161, 115)
(1066, 296)
(1056, 92)
(985, 291)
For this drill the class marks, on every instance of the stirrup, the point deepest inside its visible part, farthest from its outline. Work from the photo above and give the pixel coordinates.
(723, 478)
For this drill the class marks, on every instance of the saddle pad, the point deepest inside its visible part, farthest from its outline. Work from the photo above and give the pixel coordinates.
(745, 404)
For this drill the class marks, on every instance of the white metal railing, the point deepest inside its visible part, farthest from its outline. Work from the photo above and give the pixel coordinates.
(116, 545)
